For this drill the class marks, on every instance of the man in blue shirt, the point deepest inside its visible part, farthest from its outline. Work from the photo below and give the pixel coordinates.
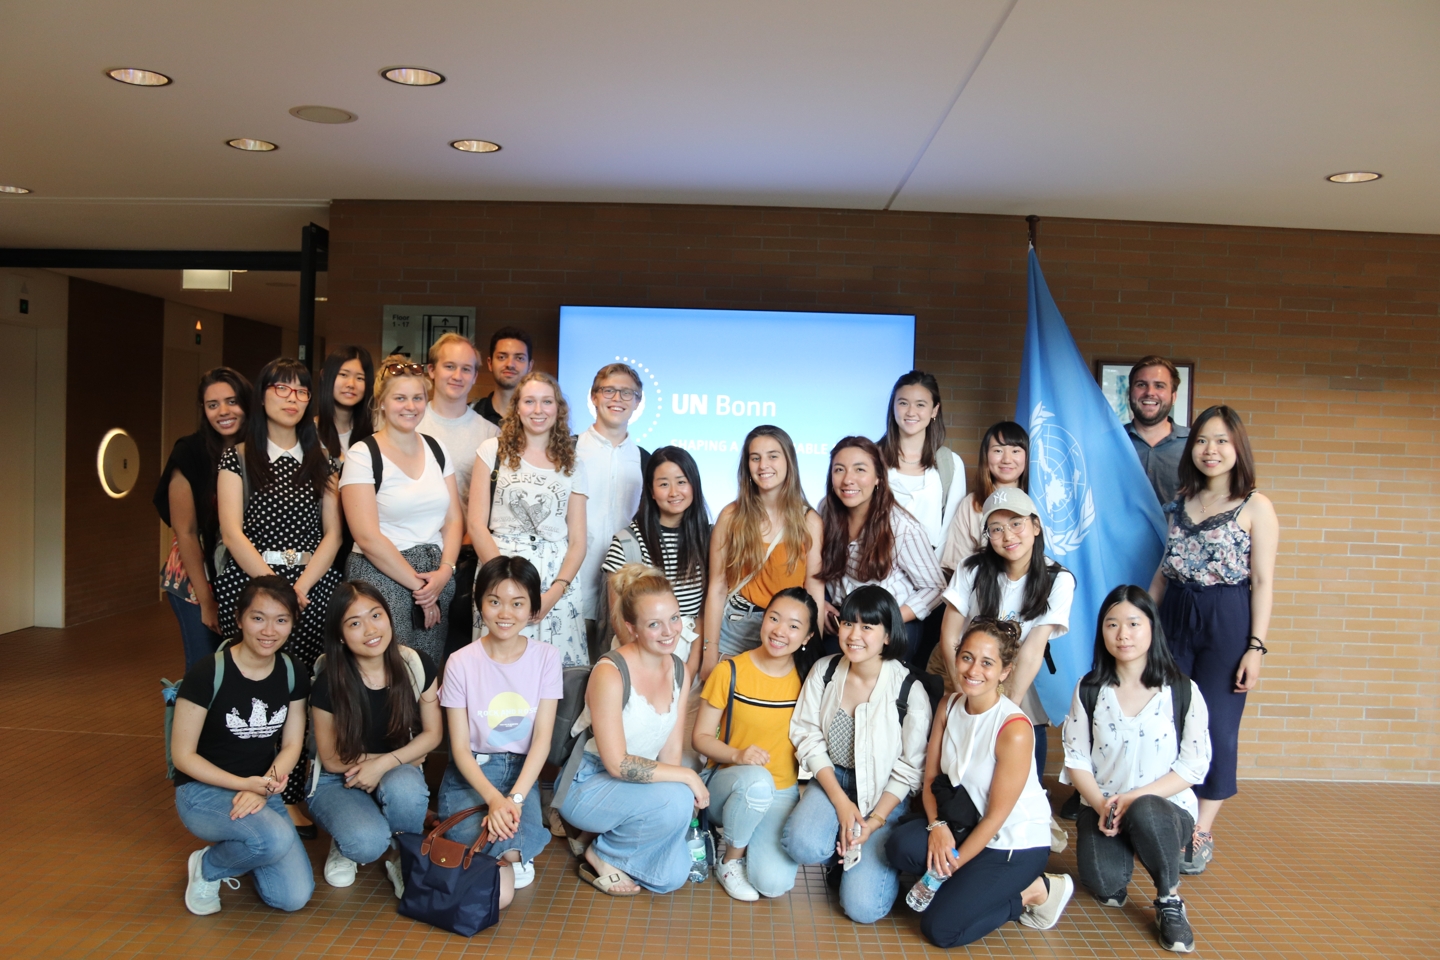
(1159, 441)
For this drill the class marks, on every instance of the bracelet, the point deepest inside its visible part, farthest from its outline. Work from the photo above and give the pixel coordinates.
(937, 823)
(398, 761)
(447, 563)
(1255, 643)
(875, 816)
(559, 580)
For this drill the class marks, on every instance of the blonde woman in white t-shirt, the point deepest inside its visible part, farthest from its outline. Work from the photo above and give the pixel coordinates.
(403, 507)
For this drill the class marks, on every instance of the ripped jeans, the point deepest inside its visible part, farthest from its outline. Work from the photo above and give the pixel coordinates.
(752, 813)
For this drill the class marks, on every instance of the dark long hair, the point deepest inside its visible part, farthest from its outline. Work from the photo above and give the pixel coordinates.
(934, 432)
(1160, 667)
(1007, 433)
(349, 702)
(875, 605)
(1242, 476)
(315, 468)
(810, 650)
(693, 550)
(1039, 578)
(876, 555)
(214, 443)
(361, 423)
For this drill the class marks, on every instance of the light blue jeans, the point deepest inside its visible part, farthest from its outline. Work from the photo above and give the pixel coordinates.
(264, 843)
(739, 631)
(868, 890)
(502, 770)
(752, 813)
(641, 826)
(361, 822)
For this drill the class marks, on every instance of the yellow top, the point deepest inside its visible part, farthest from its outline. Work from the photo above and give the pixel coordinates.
(763, 705)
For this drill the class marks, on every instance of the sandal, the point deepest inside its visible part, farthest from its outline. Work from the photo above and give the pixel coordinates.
(607, 883)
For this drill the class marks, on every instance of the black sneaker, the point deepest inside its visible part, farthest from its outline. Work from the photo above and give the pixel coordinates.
(1174, 925)
(1070, 809)
(1116, 900)
(833, 873)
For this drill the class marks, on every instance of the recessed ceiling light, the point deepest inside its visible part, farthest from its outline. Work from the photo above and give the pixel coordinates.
(412, 76)
(245, 143)
(138, 78)
(13, 189)
(1353, 176)
(475, 146)
(323, 114)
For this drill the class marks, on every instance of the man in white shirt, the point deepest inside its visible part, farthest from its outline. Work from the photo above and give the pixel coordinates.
(613, 473)
(452, 368)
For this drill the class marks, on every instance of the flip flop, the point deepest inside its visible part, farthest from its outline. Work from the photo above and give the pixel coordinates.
(606, 883)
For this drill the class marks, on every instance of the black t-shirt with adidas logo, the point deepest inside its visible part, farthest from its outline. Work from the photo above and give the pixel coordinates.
(242, 729)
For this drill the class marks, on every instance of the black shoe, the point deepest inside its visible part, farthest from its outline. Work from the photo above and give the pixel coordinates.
(1175, 932)
(1070, 809)
(833, 873)
(1116, 900)
(307, 832)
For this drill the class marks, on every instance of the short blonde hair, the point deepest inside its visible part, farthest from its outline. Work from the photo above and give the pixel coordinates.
(449, 339)
(612, 369)
(385, 376)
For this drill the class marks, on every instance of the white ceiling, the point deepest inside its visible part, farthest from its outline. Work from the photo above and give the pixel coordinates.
(1228, 111)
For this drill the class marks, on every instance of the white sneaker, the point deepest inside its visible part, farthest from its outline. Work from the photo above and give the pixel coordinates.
(1043, 916)
(202, 897)
(524, 874)
(397, 879)
(733, 879)
(339, 869)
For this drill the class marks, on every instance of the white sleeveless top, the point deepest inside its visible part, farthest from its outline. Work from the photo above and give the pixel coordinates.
(647, 729)
(967, 757)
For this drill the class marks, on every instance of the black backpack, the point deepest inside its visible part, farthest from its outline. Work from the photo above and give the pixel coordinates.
(1179, 701)
(377, 463)
(902, 702)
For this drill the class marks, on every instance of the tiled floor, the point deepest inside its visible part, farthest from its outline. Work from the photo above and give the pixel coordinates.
(94, 859)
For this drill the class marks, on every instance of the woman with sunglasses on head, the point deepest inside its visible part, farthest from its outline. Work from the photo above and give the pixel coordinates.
(765, 541)
(185, 499)
(988, 844)
(280, 514)
(870, 539)
(1004, 464)
(1216, 589)
(343, 408)
(403, 509)
(532, 505)
(1136, 741)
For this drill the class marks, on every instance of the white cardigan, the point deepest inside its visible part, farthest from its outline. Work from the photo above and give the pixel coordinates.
(888, 759)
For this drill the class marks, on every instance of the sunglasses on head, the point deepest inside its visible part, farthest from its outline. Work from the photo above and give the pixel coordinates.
(399, 369)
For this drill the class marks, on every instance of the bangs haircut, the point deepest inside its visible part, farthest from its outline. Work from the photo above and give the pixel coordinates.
(314, 472)
(1006, 433)
(875, 605)
(276, 588)
(499, 569)
(692, 552)
(361, 424)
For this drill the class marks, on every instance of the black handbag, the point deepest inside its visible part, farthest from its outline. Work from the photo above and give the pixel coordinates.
(447, 884)
(954, 806)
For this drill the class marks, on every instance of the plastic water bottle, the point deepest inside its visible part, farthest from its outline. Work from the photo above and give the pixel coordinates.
(695, 841)
(923, 893)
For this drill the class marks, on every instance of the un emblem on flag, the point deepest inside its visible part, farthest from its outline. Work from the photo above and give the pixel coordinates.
(1063, 487)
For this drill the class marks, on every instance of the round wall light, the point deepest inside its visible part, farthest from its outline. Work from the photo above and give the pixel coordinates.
(14, 189)
(475, 146)
(412, 76)
(254, 146)
(118, 463)
(1353, 176)
(323, 114)
(138, 78)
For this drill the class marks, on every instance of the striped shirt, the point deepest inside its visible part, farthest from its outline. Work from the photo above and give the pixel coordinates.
(915, 578)
(690, 593)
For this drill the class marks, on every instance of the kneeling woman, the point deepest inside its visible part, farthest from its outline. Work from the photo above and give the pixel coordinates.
(238, 731)
(860, 729)
(751, 698)
(992, 865)
(376, 713)
(1134, 748)
(630, 788)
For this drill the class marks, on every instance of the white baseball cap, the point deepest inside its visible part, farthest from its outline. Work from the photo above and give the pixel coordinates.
(1014, 499)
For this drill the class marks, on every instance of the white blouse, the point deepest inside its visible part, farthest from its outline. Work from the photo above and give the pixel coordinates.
(924, 496)
(1130, 752)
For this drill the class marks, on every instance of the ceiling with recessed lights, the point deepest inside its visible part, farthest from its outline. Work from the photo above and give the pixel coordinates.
(1218, 112)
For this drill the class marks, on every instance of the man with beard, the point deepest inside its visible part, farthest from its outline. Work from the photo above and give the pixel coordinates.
(512, 354)
(1159, 441)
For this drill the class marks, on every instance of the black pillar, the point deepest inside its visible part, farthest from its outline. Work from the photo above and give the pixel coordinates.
(314, 257)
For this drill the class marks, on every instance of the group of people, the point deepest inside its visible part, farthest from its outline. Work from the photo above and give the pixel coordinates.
(851, 686)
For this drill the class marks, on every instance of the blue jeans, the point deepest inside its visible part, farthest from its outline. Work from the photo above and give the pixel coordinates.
(739, 631)
(199, 640)
(641, 826)
(502, 770)
(744, 801)
(361, 822)
(264, 843)
(868, 890)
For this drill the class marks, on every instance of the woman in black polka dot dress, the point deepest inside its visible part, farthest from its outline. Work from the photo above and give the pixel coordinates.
(279, 511)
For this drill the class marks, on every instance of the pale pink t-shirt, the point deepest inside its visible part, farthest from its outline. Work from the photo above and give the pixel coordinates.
(502, 698)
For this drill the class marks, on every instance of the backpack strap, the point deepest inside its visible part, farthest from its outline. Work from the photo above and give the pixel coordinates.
(679, 672)
(415, 668)
(615, 658)
(945, 464)
(902, 703)
(377, 462)
(730, 701)
(629, 546)
(830, 670)
(435, 449)
(289, 675)
(1180, 701)
(219, 677)
(1089, 697)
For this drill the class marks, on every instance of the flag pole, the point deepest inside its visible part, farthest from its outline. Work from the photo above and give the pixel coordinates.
(1034, 222)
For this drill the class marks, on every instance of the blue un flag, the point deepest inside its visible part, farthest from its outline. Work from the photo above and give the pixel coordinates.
(1101, 518)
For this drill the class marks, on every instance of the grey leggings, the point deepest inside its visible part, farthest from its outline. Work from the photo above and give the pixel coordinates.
(1153, 829)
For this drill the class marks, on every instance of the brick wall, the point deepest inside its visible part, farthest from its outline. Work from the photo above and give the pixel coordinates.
(1326, 341)
(116, 338)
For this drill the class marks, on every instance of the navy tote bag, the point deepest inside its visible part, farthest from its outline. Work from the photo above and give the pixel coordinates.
(447, 884)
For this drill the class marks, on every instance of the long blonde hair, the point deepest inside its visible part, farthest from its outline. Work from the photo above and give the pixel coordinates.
(561, 446)
(745, 553)
(630, 583)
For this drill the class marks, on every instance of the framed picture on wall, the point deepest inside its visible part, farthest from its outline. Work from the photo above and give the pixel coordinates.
(1114, 377)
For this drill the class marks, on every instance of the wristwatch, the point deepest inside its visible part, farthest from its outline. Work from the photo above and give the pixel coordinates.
(518, 799)
(932, 826)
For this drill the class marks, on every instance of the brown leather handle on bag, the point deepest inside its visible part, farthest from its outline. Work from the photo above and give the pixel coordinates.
(448, 853)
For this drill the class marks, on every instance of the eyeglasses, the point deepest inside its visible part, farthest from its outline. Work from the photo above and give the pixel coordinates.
(624, 393)
(284, 391)
(997, 530)
(398, 369)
